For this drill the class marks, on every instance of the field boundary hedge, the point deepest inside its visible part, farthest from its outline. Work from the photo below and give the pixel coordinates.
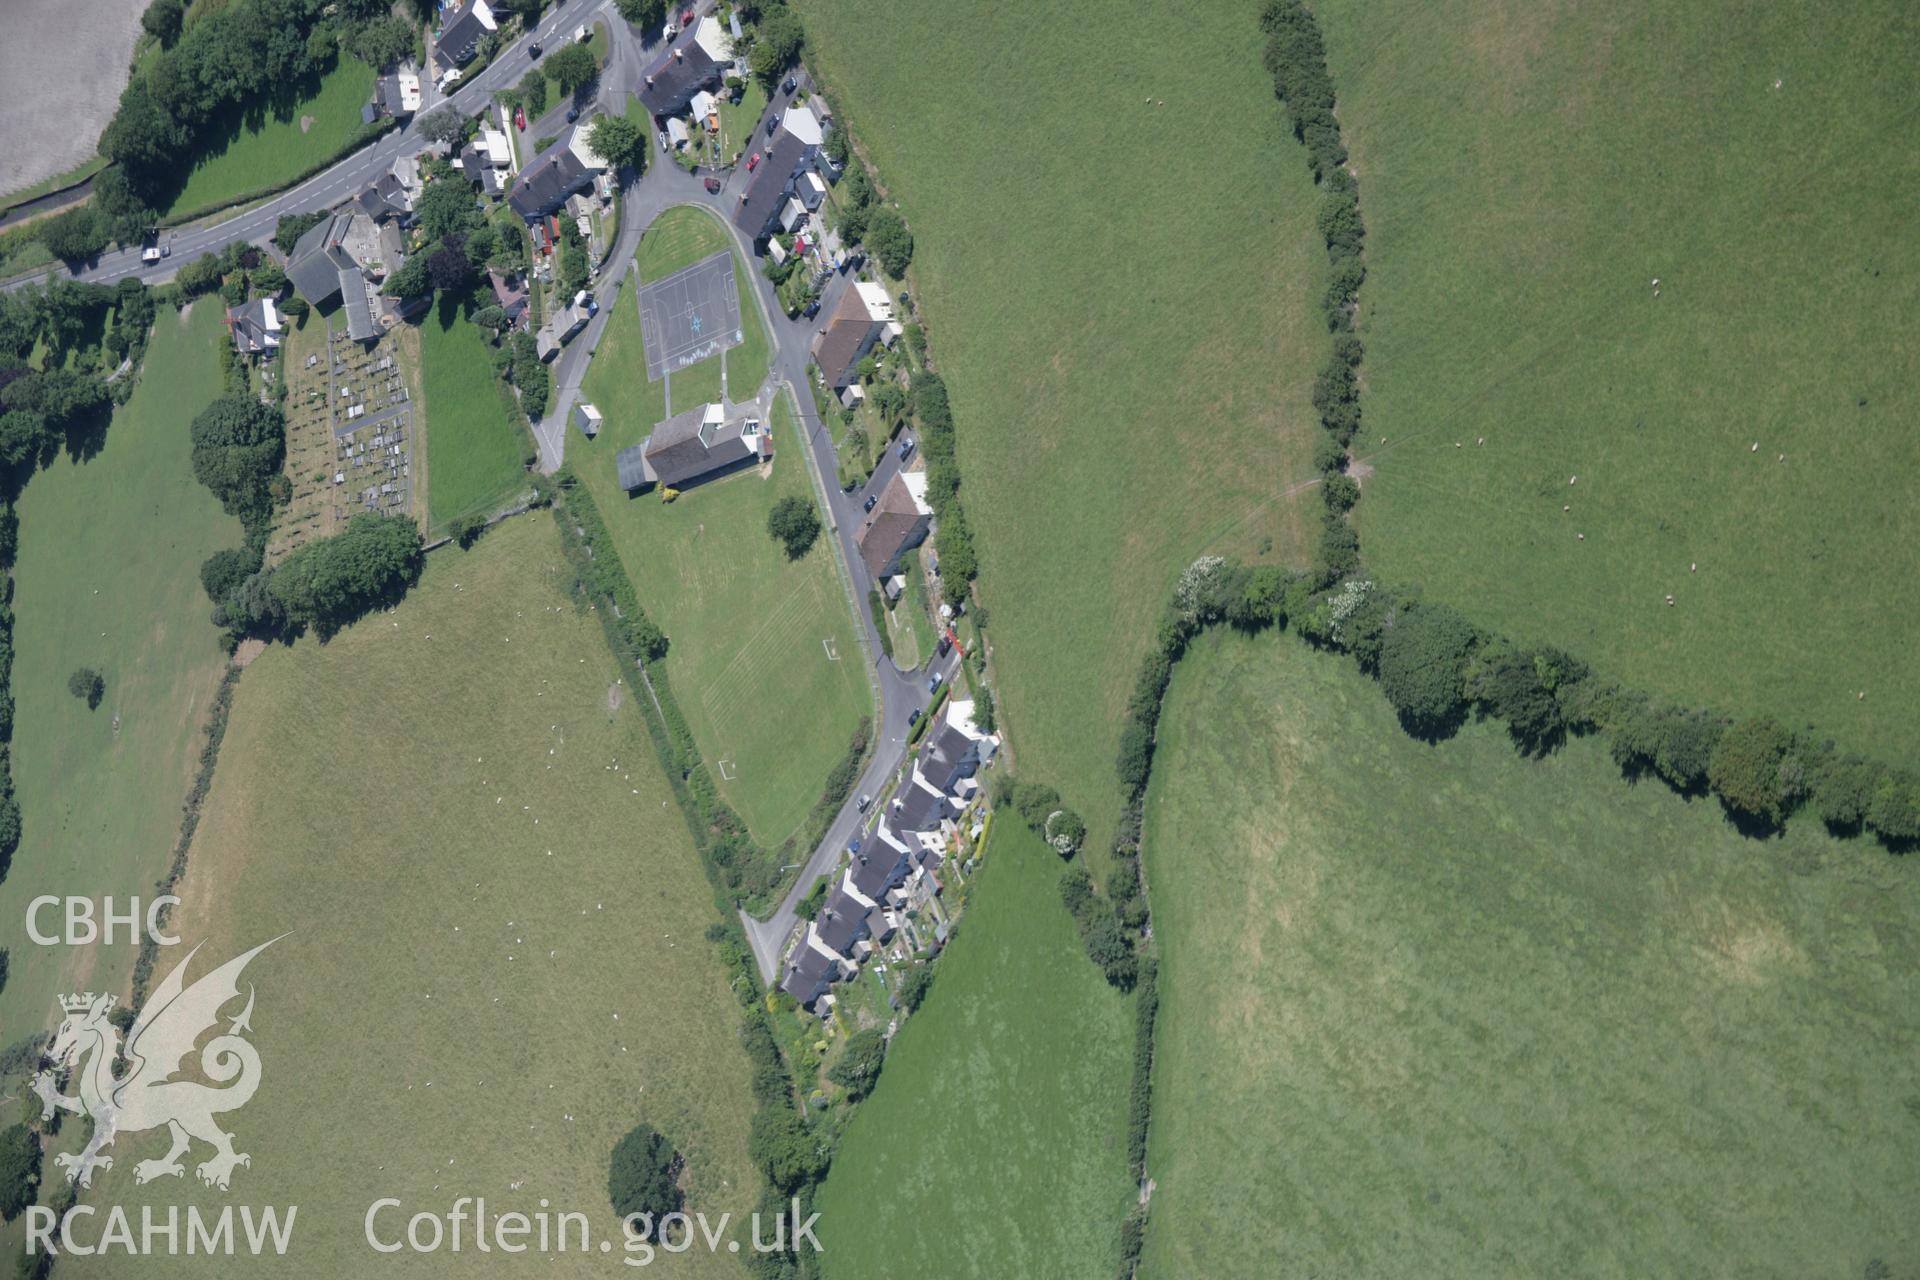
(363, 136)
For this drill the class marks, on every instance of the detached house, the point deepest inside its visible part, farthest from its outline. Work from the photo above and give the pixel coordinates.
(460, 38)
(698, 444)
(256, 327)
(862, 317)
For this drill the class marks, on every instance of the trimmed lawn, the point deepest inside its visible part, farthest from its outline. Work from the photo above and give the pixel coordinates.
(995, 1144)
(746, 625)
(1526, 174)
(1444, 1011)
(1126, 317)
(477, 444)
(274, 145)
(109, 577)
(495, 965)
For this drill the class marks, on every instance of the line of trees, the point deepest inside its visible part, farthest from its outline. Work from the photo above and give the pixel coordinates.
(953, 544)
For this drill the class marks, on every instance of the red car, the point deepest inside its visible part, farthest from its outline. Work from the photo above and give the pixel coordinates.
(752, 160)
(520, 117)
(686, 17)
(713, 186)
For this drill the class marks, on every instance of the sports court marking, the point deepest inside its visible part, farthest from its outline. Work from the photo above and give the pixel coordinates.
(832, 653)
(690, 315)
(729, 770)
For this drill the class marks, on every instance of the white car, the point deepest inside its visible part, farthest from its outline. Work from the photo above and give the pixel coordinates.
(150, 254)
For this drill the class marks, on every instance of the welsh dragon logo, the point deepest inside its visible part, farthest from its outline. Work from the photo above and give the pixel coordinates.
(146, 1096)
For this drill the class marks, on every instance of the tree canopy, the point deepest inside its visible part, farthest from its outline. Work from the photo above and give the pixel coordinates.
(572, 68)
(331, 581)
(858, 1069)
(777, 38)
(238, 445)
(619, 141)
(1421, 668)
(641, 1175)
(19, 1170)
(889, 240)
(794, 523)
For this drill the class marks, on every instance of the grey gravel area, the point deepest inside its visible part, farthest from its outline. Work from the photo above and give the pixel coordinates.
(63, 64)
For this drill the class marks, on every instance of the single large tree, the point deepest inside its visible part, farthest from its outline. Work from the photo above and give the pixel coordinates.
(572, 68)
(641, 1176)
(794, 523)
(1422, 661)
(619, 141)
(642, 13)
(442, 124)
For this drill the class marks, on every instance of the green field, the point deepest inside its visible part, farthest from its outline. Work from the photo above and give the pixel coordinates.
(477, 447)
(995, 1143)
(1525, 176)
(109, 577)
(1443, 1011)
(278, 144)
(1120, 296)
(495, 964)
(746, 625)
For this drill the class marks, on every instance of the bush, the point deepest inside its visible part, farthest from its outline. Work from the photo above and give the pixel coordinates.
(641, 1176)
(466, 530)
(858, 1069)
(1065, 831)
(1422, 660)
(914, 987)
(890, 241)
(785, 1148)
(1745, 769)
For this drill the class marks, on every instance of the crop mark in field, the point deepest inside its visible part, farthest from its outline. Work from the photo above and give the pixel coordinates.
(736, 681)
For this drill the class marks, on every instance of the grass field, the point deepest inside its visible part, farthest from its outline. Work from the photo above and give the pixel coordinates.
(1121, 297)
(109, 577)
(1442, 1011)
(1525, 176)
(995, 1144)
(495, 964)
(477, 446)
(746, 625)
(276, 145)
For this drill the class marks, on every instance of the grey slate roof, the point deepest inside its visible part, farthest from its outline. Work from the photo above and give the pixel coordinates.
(317, 259)
(686, 447)
(808, 974)
(675, 77)
(914, 808)
(771, 183)
(544, 185)
(459, 38)
(361, 326)
(631, 463)
(842, 921)
(877, 868)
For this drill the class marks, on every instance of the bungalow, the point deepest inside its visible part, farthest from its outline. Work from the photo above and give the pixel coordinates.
(510, 291)
(256, 327)
(545, 184)
(460, 38)
(319, 258)
(770, 187)
(701, 443)
(862, 317)
(897, 524)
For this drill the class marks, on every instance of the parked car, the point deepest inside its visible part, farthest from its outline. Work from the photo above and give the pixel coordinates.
(866, 802)
(573, 113)
(868, 504)
(853, 845)
(520, 118)
(812, 308)
(906, 447)
(166, 251)
(583, 33)
(533, 50)
(946, 647)
(713, 186)
(913, 718)
(789, 86)
(686, 17)
(151, 253)
(933, 682)
(753, 160)
(773, 122)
